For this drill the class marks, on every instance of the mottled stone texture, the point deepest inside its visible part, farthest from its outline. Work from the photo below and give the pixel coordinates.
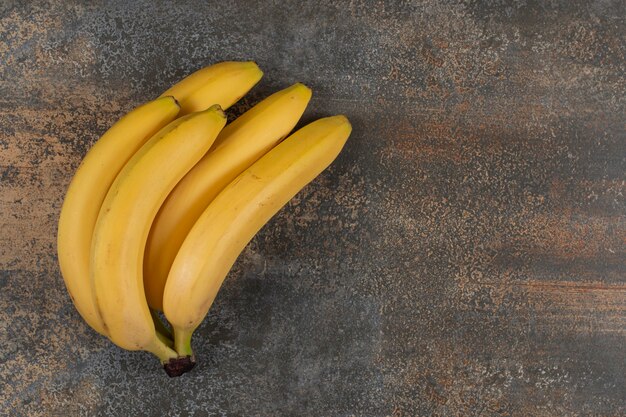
(465, 255)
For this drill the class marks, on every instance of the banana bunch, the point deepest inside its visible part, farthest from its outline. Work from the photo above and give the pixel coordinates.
(165, 201)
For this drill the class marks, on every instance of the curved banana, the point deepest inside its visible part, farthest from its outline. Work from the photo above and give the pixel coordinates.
(124, 222)
(223, 83)
(237, 214)
(240, 144)
(86, 193)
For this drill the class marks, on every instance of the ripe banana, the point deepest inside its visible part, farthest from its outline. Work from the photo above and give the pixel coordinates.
(237, 214)
(124, 222)
(240, 144)
(86, 193)
(223, 83)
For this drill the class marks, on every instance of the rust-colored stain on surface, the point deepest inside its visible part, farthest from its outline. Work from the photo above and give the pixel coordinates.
(464, 256)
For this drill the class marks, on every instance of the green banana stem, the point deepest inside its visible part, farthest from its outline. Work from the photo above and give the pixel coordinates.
(182, 342)
(161, 351)
(175, 363)
(159, 325)
(167, 341)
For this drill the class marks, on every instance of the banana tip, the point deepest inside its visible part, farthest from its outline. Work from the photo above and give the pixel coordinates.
(174, 99)
(217, 109)
(259, 71)
(302, 86)
(342, 118)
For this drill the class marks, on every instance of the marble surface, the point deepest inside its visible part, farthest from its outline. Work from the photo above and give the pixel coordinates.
(464, 256)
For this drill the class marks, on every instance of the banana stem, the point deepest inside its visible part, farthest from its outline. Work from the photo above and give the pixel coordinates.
(161, 351)
(173, 363)
(159, 325)
(182, 342)
(165, 339)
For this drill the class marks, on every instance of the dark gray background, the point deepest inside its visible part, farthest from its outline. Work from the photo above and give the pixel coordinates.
(465, 255)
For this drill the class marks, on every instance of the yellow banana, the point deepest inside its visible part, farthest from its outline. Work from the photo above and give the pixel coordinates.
(124, 222)
(86, 193)
(223, 83)
(237, 214)
(240, 144)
